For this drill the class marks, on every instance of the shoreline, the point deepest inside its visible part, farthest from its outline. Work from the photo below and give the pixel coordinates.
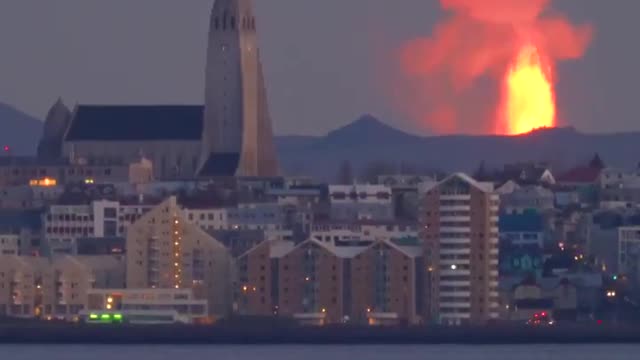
(251, 335)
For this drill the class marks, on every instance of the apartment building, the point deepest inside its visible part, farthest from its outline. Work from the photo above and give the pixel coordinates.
(316, 283)
(361, 201)
(387, 284)
(164, 251)
(9, 244)
(54, 288)
(68, 280)
(17, 170)
(277, 221)
(362, 231)
(21, 293)
(256, 291)
(527, 198)
(148, 306)
(629, 252)
(459, 226)
(64, 224)
(20, 232)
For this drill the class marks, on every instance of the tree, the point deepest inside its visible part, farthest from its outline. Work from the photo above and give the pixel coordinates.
(596, 162)
(481, 172)
(345, 173)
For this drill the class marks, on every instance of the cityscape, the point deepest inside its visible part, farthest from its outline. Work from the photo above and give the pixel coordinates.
(158, 215)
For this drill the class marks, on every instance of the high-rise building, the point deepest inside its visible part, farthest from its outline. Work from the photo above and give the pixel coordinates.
(237, 136)
(459, 226)
(164, 250)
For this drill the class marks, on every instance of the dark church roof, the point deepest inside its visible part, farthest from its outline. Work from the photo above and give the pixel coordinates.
(135, 123)
(220, 164)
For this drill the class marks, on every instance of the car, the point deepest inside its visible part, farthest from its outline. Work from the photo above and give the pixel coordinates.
(542, 318)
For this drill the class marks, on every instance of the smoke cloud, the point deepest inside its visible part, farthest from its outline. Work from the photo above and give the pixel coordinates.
(450, 80)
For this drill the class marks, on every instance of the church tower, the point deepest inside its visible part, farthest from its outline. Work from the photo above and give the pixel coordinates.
(55, 125)
(237, 133)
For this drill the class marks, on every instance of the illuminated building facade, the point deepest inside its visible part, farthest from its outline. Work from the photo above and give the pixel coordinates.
(459, 226)
(165, 251)
(147, 306)
(54, 288)
(317, 283)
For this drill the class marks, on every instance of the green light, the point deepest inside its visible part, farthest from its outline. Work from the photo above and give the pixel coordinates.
(615, 277)
(117, 316)
(105, 317)
(93, 316)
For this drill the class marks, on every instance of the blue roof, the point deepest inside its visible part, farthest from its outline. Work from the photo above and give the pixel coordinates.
(134, 123)
(528, 221)
(12, 220)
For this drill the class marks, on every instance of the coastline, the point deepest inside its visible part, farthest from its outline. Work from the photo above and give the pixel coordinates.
(329, 335)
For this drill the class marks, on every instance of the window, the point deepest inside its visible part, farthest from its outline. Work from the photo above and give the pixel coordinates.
(110, 213)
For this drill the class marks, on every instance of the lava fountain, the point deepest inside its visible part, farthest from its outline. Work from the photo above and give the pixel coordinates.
(489, 66)
(528, 99)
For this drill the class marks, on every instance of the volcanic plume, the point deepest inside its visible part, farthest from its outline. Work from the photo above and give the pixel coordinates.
(515, 44)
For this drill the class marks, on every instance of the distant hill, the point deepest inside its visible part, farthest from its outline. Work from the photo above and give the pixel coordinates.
(368, 140)
(19, 131)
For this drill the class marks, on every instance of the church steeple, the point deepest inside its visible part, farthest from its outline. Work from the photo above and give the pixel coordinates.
(237, 140)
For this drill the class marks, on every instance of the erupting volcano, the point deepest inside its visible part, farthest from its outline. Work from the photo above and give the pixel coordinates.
(528, 100)
(513, 43)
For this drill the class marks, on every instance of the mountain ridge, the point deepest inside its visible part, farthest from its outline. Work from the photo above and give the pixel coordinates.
(368, 140)
(19, 131)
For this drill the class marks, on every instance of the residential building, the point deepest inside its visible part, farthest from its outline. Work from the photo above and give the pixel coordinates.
(164, 251)
(313, 283)
(618, 178)
(65, 223)
(318, 284)
(66, 283)
(459, 226)
(387, 284)
(522, 229)
(148, 306)
(21, 281)
(54, 287)
(9, 244)
(527, 197)
(353, 202)
(21, 231)
(337, 232)
(257, 291)
(629, 253)
(16, 171)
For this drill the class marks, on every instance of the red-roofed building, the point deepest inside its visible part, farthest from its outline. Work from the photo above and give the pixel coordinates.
(579, 176)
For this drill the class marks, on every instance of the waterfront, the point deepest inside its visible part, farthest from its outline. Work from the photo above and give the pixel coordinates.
(296, 352)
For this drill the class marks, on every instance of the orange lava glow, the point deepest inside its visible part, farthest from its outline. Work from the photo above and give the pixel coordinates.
(529, 98)
(489, 66)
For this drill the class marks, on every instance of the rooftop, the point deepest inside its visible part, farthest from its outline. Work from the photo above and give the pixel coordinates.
(136, 123)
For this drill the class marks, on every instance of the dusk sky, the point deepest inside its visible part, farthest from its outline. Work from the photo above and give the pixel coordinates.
(326, 62)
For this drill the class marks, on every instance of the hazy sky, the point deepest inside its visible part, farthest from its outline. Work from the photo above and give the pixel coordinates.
(326, 61)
